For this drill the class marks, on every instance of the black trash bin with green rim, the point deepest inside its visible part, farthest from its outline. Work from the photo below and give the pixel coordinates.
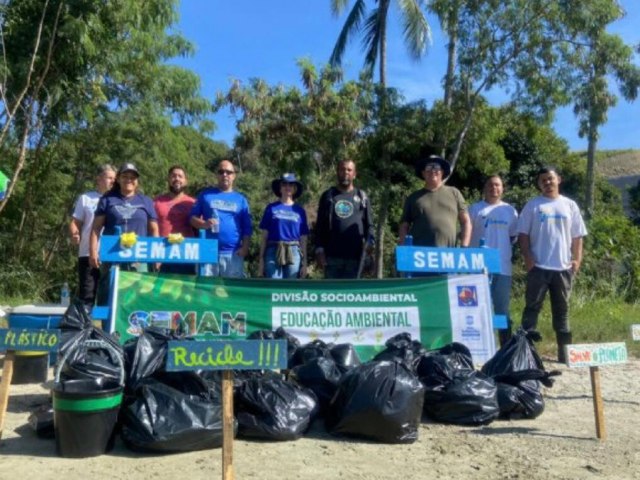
(85, 411)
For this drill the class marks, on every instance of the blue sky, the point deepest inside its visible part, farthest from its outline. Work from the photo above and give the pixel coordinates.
(243, 39)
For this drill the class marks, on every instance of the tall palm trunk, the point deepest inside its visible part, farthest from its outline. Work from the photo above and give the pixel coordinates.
(591, 165)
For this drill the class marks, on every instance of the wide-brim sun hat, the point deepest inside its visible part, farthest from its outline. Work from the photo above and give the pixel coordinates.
(423, 162)
(128, 167)
(288, 178)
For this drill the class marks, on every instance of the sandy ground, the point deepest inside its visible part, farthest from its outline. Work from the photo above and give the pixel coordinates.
(560, 444)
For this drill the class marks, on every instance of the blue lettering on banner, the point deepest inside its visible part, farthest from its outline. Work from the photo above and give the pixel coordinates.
(158, 249)
(447, 260)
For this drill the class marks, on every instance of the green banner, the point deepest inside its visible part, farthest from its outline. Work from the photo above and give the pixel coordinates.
(364, 313)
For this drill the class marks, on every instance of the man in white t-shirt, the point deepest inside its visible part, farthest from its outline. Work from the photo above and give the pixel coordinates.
(550, 232)
(494, 226)
(80, 231)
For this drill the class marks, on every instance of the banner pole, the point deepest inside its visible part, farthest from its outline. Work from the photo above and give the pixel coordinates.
(7, 375)
(598, 405)
(227, 425)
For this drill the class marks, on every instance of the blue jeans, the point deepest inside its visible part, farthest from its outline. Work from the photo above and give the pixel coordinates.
(229, 265)
(273, 270)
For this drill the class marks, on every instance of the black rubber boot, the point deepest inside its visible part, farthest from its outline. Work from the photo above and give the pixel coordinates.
(562, 339)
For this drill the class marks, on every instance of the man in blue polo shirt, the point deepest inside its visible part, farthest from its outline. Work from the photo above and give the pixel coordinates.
(224, 213)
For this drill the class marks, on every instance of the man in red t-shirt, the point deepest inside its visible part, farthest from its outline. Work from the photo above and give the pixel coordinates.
(174, 210)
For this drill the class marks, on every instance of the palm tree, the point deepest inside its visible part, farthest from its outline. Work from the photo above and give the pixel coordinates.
(417, 34)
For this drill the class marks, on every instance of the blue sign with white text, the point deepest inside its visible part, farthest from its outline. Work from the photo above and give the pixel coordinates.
(227, 355)
(447, 260)
(159, 249)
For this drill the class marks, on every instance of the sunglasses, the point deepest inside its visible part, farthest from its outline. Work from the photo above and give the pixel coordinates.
(434, 167)
(226, 172)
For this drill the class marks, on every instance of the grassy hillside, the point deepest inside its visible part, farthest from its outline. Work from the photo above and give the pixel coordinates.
(618, 163)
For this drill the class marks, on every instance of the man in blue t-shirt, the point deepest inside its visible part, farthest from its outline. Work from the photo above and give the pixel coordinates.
(224, 213)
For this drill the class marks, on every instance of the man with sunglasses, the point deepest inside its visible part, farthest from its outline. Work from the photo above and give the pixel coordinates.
(432, 214)
(224, 213)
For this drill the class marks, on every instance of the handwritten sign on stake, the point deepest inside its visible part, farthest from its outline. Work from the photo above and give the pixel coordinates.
(12, 339)
(635, 332)
(227, 355)
(593, 356)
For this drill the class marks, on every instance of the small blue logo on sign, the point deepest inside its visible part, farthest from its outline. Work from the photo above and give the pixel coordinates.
(467, 296)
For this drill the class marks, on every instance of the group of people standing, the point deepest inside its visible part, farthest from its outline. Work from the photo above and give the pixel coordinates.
(550, 230)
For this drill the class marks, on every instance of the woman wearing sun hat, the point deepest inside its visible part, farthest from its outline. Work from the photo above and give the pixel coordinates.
(283, 245)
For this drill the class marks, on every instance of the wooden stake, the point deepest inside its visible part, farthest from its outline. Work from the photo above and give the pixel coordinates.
(7, 375)
(227, 425)
(598, 405)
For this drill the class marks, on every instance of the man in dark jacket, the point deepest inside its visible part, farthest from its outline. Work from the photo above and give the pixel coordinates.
(344, 228)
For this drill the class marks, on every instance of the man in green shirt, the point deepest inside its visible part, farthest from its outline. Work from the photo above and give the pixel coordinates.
(432, 214)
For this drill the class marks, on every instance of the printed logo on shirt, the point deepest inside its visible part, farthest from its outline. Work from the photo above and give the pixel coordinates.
(343, 208)
(547, 214)
(218, 204)
(286, 215)
(126, 210)
(490, 221)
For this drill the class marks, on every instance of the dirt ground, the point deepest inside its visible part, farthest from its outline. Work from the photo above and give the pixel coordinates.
(560, 444)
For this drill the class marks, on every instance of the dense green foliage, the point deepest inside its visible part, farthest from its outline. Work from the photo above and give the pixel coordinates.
(101, 91)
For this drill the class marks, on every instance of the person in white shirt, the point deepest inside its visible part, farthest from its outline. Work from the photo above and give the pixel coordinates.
(494, 226)
(80, 232)
(550, 232)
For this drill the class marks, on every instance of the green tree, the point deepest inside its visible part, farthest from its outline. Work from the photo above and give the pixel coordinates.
(83, 83)
(596, 57)
(65, 64)
(373, 26)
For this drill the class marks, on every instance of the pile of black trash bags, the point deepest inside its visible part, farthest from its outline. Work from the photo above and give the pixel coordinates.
(382, 400)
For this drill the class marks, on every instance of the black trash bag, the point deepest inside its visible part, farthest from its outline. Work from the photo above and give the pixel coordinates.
(519, 371)
(345, 356)
(378, 400)
(519, 353)
(519, 394)
(214, 377)
(146, 355)
(321, 375)
(172, 412)
(469, 398)
(400, 348)
(41, 420)
(437, 367)
(273, 409)
(280, 334)
(76, 327)
(310, 351)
